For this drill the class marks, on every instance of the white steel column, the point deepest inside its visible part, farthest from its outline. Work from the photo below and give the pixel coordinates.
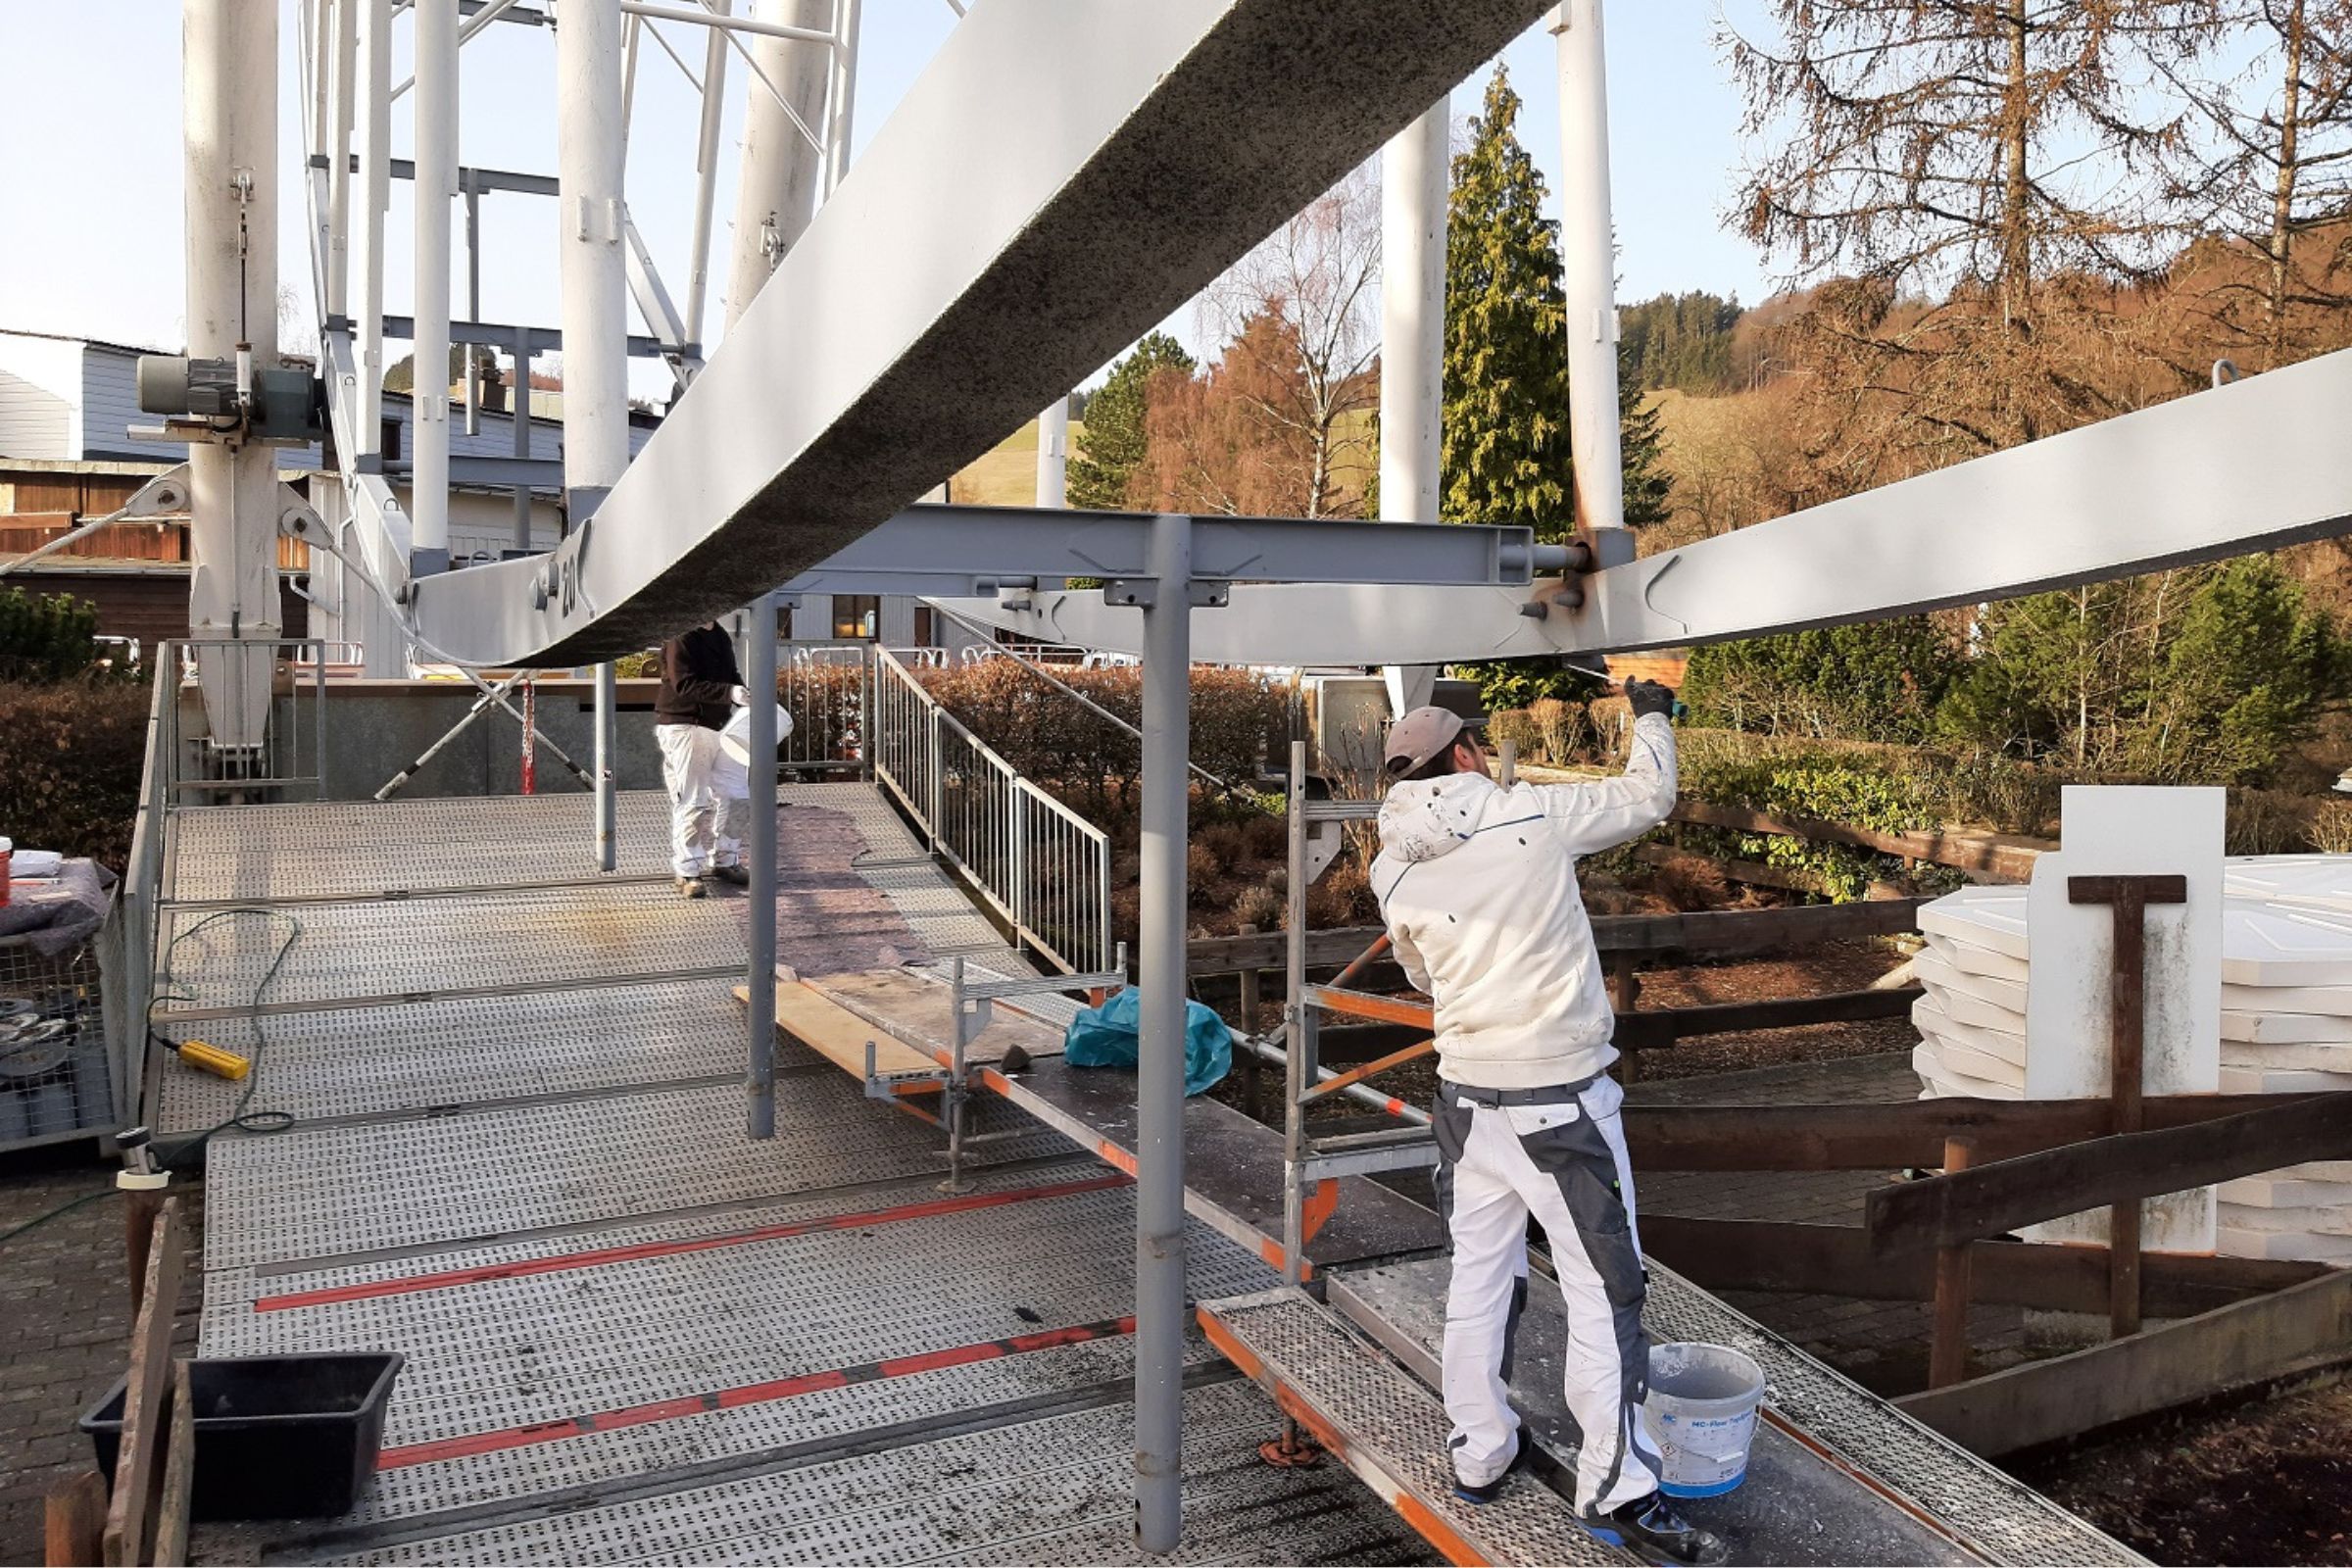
(343, 59)
(1053, 453)
(782, 169)
(435, 187)
(1588, 266)
(229, 113)
(596, 350)
(841, 112)
(373, 132)
(1160, 1242)
(705, 171)
(1412, 344)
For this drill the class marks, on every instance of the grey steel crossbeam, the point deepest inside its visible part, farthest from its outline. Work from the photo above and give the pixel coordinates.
(1107, 163)
(470, 177)
(979, 550)
(541, 339)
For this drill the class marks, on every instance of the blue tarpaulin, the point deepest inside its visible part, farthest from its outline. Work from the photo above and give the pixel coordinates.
(1108, 1037)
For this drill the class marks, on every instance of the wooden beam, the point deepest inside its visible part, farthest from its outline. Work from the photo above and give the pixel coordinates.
(2103, 1171)
(1741, 1254)
(1663, 1026)
(2027, 1189)
(73, 1522)
(2301, 1329)
(1892, 1136)
(180, 1475)
(1712, 933)
(128, 1525)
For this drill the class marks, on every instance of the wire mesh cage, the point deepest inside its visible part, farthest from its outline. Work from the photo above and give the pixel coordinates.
(57, 1078)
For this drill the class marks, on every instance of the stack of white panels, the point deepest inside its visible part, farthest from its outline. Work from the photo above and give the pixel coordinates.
(1972, 1013)
(2286, 1025)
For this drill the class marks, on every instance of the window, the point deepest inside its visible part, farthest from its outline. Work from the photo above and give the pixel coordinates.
(923, 628)
(856, 615)
(783, 620)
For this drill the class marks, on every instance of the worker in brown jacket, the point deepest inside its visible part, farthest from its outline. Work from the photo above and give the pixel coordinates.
(701, 688)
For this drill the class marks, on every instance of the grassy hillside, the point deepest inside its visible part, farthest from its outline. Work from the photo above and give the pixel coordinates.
(1007, 476)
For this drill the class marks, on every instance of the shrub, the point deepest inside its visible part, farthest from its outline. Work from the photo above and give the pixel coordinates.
(1515, 726)
(1875, 680)
(2331, 827)
(71, 753)
(1258, 905)
(45, 638)
(1560, 724)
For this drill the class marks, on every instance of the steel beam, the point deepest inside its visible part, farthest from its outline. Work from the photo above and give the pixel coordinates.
(2253, 465)
(938, 550)
(1132, 154)
(539, 339)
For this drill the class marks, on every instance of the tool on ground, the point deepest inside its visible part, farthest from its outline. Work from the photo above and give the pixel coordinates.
(205, 1056)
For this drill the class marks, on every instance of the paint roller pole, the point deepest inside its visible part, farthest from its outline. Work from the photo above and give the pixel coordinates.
(759, 848)
(1159, 1069)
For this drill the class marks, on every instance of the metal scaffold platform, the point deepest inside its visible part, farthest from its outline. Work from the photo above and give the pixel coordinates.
(517, 1156)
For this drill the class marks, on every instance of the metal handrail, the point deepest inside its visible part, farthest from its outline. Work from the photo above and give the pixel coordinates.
(1038, 863)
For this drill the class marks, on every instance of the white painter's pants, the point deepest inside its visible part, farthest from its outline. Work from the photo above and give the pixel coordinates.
(706, 824)
(1564, 1164)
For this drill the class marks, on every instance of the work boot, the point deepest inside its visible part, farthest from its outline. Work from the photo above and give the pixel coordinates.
(1654, 1533)
(1485, 1491)
(734, 876)
(691, 887)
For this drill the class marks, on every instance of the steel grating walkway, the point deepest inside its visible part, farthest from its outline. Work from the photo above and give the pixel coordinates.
(517, 1158)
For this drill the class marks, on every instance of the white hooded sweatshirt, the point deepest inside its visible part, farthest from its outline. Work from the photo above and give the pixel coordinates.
(1478, 886)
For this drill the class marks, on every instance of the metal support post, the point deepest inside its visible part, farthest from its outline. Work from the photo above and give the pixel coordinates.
(345, 20)
(841, 104)
(1159, 1069)
(229, 110)
(1297, 1075)
(705, 172)
(372, 134)
(1053, 453)
(2129, 897)
(955, 1094)
(1412, 340)
(434, 187)
(519, 398)
(1588, 266)
(775, 194)
(607, 805)
(759, 769)
(589, 125)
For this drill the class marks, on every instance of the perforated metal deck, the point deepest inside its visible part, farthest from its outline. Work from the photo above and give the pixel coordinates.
(1049, 1490)
(1392, 1432)
(351, 1061)
(630, 1331)
(364, 849)
(321, 1193)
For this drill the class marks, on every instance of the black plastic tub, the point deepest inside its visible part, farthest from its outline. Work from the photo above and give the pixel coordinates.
(278, 1437)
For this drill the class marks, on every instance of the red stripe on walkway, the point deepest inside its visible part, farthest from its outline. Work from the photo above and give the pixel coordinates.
(635, 1415)
(598, 1257)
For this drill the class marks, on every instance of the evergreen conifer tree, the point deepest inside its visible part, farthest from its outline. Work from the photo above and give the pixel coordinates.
(1111, 447)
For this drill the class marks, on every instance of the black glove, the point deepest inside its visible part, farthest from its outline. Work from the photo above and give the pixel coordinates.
(1646, 697)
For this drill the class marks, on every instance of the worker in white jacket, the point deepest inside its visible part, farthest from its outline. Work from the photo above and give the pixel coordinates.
(1478, 886)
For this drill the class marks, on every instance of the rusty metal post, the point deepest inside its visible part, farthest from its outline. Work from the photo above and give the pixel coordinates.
(1250, 1065)
(2127, 898)
(1947, 1355)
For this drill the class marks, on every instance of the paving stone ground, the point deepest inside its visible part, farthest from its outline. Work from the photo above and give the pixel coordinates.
(65, 1324)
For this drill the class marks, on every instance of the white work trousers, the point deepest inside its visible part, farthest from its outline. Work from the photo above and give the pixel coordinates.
(706, 824)
(1564, 1164)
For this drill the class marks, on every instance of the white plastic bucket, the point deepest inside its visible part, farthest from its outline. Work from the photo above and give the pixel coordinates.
(1702, 1412)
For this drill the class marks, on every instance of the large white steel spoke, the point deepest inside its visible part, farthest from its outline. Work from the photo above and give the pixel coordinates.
(2245, 467)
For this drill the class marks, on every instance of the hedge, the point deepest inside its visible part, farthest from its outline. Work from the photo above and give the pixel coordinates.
(71, 753)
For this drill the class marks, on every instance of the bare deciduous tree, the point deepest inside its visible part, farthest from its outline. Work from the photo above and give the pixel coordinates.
(2272, 174)
(1311, 385)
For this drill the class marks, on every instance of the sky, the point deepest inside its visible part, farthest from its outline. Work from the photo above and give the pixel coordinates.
(94, 200)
